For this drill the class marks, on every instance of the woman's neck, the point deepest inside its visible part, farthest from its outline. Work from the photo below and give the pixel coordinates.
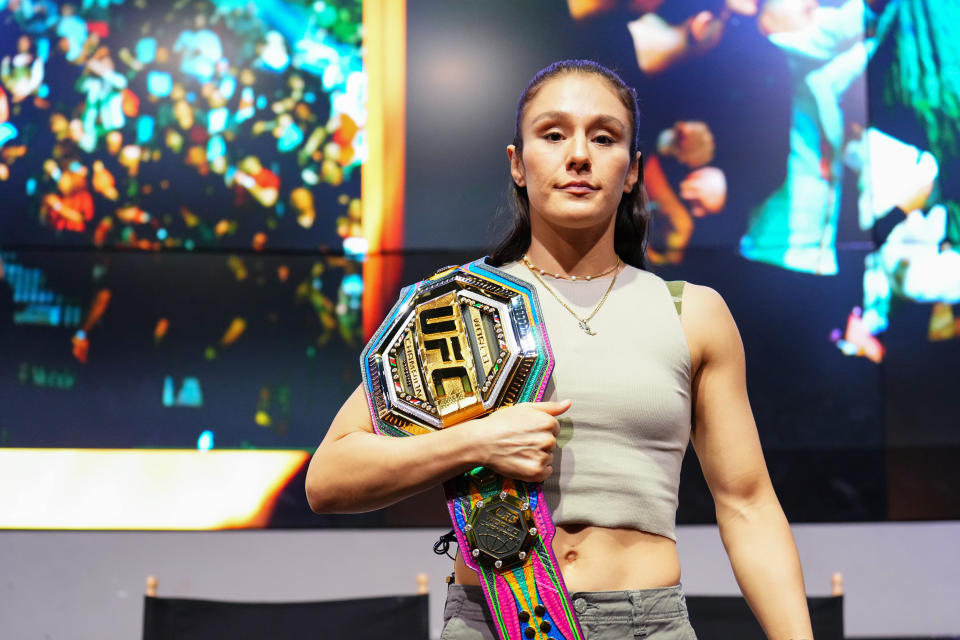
(572, 252)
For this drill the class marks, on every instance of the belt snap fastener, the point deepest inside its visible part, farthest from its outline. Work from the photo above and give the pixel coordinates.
(580, 605)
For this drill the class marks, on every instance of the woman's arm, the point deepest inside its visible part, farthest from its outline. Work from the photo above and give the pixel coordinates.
(356, 470)
(753, 527)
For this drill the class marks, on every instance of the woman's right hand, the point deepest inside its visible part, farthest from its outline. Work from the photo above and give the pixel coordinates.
(517, 441)
(355, 470)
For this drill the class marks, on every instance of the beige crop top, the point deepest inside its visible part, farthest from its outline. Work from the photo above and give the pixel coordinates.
(621, 443)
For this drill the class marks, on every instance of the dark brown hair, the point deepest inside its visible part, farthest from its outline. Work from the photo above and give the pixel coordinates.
(633, 220)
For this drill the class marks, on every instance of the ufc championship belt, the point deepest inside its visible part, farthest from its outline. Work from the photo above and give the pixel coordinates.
(456, 346)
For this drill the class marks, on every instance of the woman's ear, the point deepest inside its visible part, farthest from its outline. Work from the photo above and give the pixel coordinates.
(633, 174)
(516, 166)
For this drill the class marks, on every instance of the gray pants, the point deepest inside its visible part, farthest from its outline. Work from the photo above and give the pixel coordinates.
(657, 614)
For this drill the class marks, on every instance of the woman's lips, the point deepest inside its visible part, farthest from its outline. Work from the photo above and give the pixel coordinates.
(578, 188)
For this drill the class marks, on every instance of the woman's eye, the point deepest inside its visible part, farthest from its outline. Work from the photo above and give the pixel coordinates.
(553, 136)
(604, 140)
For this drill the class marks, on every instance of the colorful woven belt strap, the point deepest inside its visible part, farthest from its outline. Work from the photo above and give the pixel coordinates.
(456, 346)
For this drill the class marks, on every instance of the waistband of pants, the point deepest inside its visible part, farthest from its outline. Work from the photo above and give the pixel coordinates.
(467, 601)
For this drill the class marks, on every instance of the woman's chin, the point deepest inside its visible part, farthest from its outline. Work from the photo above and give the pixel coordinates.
(577, 220)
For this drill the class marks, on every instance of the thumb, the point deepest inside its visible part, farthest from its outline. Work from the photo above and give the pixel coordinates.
(554, 408)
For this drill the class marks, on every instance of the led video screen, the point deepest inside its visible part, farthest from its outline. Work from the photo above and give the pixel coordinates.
(187, 270)
(181, 248)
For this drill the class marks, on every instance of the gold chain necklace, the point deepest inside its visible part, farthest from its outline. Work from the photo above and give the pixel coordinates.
(583, 321)
(560, 276)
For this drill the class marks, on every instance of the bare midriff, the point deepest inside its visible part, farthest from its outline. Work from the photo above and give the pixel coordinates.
(601, 559)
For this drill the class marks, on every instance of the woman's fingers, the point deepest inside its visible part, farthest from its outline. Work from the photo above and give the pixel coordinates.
(552, 407)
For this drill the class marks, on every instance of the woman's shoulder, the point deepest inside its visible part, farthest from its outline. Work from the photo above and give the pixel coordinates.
(697, 293)
(707, 322)
(695, 303)
(702, 297)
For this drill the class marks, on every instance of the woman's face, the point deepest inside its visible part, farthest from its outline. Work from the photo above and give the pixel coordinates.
(575, 162)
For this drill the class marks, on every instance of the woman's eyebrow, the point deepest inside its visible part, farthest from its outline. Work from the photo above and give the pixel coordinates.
(602, 120)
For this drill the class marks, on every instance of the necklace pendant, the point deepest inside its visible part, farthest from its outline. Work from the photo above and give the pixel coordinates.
(586, 328)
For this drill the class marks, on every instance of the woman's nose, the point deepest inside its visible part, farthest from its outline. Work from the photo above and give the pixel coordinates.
(578, 153)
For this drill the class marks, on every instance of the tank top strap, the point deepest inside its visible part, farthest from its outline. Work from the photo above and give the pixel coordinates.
(675, 287)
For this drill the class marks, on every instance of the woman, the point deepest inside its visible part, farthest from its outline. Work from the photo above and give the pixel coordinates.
(609, 439)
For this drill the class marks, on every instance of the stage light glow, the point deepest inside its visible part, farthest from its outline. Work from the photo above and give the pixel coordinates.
(141, 489)
(205, 441)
